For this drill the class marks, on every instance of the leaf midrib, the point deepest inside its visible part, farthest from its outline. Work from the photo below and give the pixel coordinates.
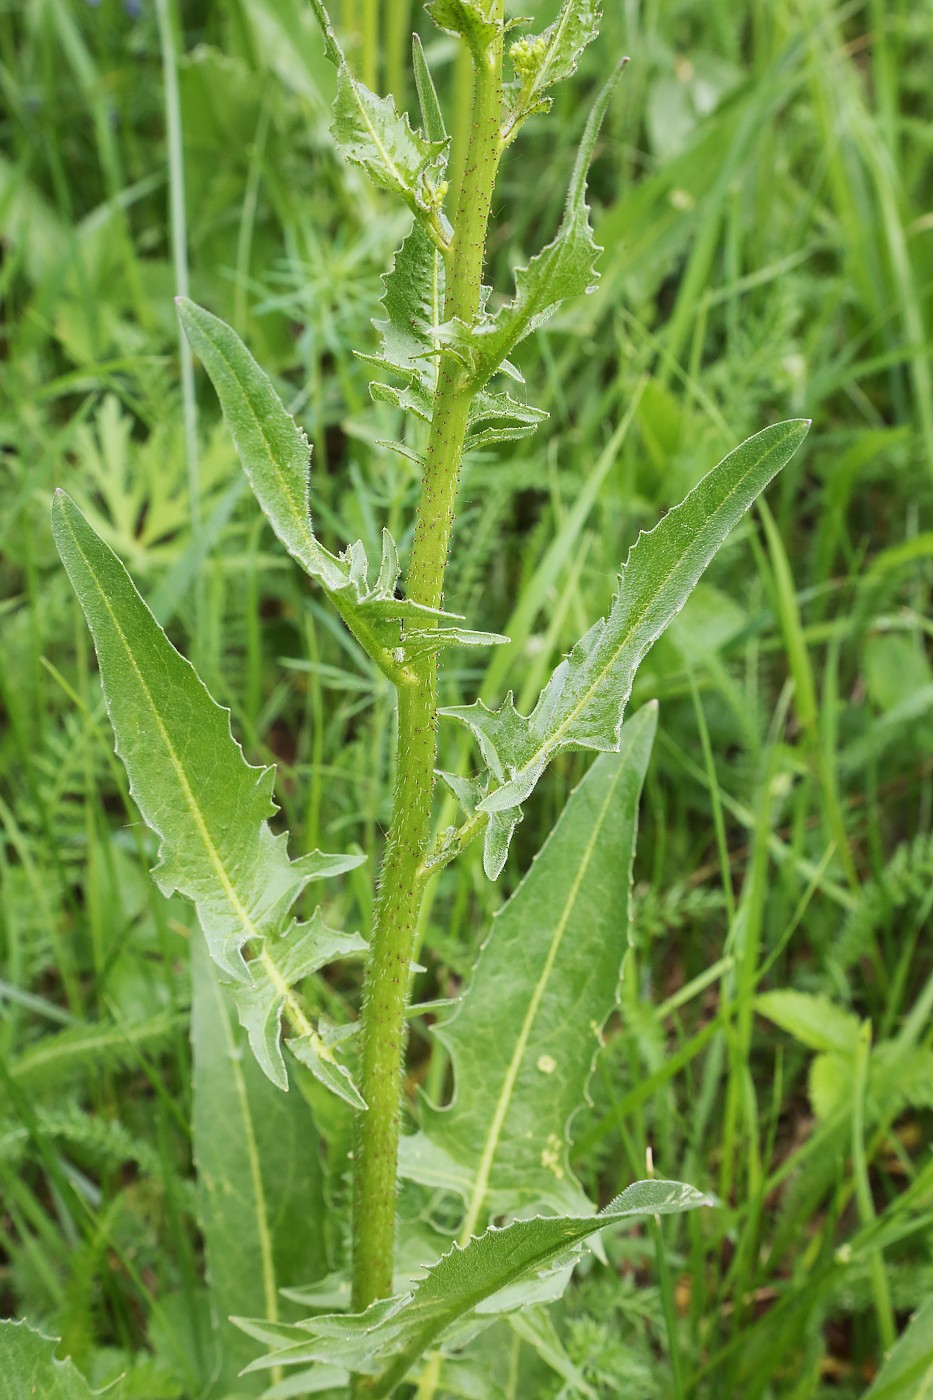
(508, 1088)
(552, 742)
(190, 801)
(298, 509)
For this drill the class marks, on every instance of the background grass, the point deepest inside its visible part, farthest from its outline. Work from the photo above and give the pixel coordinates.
(762, 191)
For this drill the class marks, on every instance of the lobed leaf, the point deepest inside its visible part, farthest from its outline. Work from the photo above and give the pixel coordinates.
(549, 58)
(524, 1037)
(565, 268)
(388, 1338)
(370, 132)
(413, 334)
(276, 458)
(30, 1367)
(583, 703)
(260, 1005)
(209, 807)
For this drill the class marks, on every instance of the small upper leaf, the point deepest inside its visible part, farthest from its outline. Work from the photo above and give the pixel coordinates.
(549, 58)
(583, 703)
(273, 449)
(413, 334)
(370, 132)
(431, 113)
(565, 268)
(276, 458)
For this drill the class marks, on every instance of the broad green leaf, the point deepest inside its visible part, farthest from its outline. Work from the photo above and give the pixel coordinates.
(392, 1335)
(907, 1373)
(813, 1020)
(549, 58)
(30, 1368)
(370, 132)
(523, 1039)
(260, 1184)
(468, 19)
(194, 788)
(583, 703)
(565, 268)
(276, 457)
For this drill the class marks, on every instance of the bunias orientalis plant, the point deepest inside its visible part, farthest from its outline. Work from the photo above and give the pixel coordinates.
(523, 1038)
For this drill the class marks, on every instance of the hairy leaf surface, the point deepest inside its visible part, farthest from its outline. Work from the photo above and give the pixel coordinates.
(209, 807)
(583, 703)
(523, 1040)
(387, 1339)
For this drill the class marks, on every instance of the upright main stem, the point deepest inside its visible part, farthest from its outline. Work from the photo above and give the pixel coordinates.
(401, 886)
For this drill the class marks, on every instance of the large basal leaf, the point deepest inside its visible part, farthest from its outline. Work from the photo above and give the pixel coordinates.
(583, 703)
(260, 1184)
(392, 1335)
(370, 132)
(549, 58)
(194, 788)
(29, 1368)
(565, 268)
(276, 457)
(523, 1040)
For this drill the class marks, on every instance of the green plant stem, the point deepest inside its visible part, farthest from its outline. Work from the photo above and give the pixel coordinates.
(176, 171)
(401, 888)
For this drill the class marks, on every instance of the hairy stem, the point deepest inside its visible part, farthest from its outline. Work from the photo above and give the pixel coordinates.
(402, 880)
